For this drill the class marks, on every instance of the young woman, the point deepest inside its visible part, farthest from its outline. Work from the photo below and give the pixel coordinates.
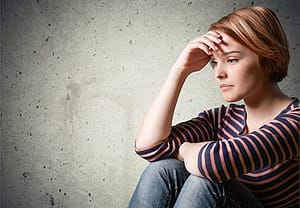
(231, 156)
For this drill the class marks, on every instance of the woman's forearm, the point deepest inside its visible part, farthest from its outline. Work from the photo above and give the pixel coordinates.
(158, 120)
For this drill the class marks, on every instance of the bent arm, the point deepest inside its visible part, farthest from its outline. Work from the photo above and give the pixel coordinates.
(158, 120)
(222, 160)
(197, 130)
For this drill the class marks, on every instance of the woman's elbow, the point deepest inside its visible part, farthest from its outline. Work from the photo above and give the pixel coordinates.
(141, 144)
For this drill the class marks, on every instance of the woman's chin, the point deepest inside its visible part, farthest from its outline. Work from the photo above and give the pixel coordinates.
(231, 99)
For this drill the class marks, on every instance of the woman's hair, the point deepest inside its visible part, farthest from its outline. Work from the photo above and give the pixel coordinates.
(259, 29)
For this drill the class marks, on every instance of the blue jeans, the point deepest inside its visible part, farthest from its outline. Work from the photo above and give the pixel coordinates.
(167, 183)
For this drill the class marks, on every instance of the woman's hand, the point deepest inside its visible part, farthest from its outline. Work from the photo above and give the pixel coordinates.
(188, 153)
(197, 53)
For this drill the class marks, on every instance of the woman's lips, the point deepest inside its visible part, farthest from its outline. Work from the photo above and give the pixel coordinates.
(225, 87)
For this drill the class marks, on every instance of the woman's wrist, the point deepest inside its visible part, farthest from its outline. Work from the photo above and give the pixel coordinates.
(182, 151)
(179, 71)
(188, 153)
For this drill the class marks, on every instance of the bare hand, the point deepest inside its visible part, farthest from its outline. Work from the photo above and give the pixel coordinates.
(188, 153)
(197, 53)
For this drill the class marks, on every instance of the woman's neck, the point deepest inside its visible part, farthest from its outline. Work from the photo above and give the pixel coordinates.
(265, 106)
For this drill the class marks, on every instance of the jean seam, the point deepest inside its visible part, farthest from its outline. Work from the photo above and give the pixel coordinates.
(172, 192)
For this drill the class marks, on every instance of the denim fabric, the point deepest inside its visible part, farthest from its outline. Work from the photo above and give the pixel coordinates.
(167, 183)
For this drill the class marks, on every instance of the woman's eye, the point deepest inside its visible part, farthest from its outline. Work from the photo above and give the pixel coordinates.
(213, 64)
(232, 61)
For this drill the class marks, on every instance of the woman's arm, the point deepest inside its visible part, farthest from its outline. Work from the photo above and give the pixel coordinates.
(222, 160)
(188, 153)
(197, 130)
(158, 120)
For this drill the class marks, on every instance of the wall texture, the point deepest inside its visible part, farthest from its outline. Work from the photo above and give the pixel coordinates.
(76, 80)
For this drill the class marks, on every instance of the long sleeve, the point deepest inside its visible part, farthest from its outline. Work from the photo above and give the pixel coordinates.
(266, 161)
(273, 143)
(199, 129)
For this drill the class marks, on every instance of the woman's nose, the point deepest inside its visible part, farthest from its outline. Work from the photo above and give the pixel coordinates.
(220, 72)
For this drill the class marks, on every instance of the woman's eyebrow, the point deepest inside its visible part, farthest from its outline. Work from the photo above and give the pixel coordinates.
(230, 52)
(227, 53)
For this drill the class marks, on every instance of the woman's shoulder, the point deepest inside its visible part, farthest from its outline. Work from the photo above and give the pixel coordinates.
(238, 110)
(294, 103)
(229, 107)
(293, 107)
(223, 111)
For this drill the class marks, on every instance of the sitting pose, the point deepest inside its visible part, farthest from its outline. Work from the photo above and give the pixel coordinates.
(240, 155)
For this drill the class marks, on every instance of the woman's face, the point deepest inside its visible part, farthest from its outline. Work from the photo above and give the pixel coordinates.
(237, 70)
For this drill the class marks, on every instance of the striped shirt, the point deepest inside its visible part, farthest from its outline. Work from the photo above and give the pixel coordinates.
(265, 160)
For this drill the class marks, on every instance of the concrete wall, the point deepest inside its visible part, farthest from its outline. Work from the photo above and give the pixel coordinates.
(76, 80)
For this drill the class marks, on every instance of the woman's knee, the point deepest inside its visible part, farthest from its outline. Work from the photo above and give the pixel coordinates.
(170, 172)
(199, 192)
(165, 167)
(203, 185)
(159, 184)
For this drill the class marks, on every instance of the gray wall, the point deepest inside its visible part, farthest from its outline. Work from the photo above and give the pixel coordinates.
(76, 80)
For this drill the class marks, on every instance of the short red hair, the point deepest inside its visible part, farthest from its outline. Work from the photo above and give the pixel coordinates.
(259, 29)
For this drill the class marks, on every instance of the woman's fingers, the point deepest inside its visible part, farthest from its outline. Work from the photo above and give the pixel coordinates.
(198, 52)
(203, 47)
(214, 36)
(208, 42)
(214, 33)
